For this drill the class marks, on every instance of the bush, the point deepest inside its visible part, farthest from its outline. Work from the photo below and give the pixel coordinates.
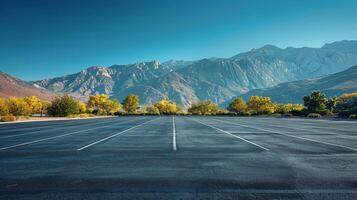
(8, 118)
(276, 115)
(18, 106)
(347, 105)
(85, 115)
(288, 115)
(302, 112)
(22, 117)
(64, 106)
(73, 116)
(314, 115)
(261, 105)
(167, 107)
(248, 113)
(237, 105)
(353, 116)
(204, 108)
(152, 110)
(323, 112)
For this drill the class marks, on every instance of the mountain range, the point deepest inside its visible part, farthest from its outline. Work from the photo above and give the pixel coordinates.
(11, 86)
(292, 92)
(218, 79)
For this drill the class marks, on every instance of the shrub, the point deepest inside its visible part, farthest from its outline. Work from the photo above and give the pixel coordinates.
(84, 115)
(315, 101)
(261, 105)
(64, 106)
(314, 115)
(100, 104)
(276, 115)
(204, 108)
(302, 112)
(324, 112)
(152, 110)
(73, 116)
(347, 105)
(167, 107)
(247, 113)
(18, 106)
(8, 118)
(22, 117)
(353, 116)
(131, 103)
(287, 108)
(4, 109)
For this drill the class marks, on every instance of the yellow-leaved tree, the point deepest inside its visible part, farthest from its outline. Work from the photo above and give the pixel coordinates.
(167, 107)
(101, 104)
(4, 110)
(260, 105)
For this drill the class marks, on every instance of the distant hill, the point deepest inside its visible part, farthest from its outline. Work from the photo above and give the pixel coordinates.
(331, 85)
(10, 86)
(218, 79)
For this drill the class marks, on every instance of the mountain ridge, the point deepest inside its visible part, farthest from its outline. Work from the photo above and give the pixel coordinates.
(14, 87)
(292, 92)
(218, 79)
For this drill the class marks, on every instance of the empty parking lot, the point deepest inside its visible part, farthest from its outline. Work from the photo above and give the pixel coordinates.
(179, 157)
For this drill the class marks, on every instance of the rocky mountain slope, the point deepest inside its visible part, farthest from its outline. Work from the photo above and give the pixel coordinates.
(218, 79)
(10, 86)
(331, 85)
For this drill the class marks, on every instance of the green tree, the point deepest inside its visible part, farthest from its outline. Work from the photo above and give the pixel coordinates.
(331, 103)
(131, 103)
(347, 104)
(315, 102)
(237, 105)
(64, 106)
(204, 108)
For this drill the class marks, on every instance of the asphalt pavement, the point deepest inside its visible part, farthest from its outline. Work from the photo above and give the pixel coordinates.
(181, 157)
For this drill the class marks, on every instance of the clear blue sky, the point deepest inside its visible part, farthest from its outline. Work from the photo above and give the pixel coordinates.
(48, 38)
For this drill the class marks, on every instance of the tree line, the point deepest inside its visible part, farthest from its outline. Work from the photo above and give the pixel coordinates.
(314, 105)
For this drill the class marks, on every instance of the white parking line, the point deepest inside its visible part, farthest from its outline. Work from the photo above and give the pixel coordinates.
(173, 134)
(223, 131)
(107, 138)
(54, 137)
(288, 135)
